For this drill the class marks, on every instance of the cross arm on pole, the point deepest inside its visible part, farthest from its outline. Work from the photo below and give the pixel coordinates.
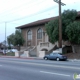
(57, 1)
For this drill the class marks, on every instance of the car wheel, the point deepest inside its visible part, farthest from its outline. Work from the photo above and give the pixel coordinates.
(46, 58)
(57, 59)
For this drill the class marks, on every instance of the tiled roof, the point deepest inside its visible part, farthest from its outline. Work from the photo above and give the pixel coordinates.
(39, 22)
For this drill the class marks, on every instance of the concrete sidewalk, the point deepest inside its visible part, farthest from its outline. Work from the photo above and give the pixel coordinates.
(74, 60)
(37, 58)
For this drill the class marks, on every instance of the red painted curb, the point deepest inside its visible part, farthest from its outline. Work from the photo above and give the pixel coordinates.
(15, 57)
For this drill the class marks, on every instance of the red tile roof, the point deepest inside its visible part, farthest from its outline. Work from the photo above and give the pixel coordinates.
(39, 22)
(36, 23)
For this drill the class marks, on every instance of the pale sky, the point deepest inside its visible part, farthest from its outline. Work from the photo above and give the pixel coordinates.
(20, 12)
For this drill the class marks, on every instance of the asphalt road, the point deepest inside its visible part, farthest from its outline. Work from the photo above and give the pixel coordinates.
(24, 69)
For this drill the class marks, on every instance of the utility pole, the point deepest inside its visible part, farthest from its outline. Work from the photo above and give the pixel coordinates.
(60, 22)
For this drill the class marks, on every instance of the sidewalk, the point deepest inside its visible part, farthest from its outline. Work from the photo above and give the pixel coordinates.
(36, 58)
(74, 60)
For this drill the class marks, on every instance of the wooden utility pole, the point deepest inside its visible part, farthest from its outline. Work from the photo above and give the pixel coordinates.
(60, 26)
(60, 22)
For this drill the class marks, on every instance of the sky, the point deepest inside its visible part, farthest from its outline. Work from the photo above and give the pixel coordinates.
(14, 13)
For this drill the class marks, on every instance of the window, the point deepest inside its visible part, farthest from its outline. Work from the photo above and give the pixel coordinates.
(39, 34)
(51, 54)
(29, 35)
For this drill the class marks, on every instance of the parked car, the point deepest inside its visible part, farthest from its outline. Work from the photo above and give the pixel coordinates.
(55, 56)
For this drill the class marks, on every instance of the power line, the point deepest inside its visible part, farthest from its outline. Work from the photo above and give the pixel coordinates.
(32, 14)
(50, 8)
(13, 8)
(22, 8)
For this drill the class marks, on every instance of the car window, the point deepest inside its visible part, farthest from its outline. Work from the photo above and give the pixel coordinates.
(55, 54)
(51, 54)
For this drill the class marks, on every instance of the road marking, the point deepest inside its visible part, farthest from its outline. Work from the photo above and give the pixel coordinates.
(57, 66)
(55, 73)
(0, 65)
(39, 64)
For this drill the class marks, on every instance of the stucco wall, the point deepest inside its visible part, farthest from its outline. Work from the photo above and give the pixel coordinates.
(76, 48)
(34, 41)
(24, 36)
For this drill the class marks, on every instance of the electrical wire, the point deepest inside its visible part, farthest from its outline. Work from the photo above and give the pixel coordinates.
(15, 9)
(50, 8)
(30, 15)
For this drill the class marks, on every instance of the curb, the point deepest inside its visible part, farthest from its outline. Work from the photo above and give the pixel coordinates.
(74, 60)
(35, 58)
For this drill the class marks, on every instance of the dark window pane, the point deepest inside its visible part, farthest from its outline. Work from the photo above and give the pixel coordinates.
(29, 35)
(39, 34)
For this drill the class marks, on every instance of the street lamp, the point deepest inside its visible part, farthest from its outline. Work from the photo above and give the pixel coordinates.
(5, 39)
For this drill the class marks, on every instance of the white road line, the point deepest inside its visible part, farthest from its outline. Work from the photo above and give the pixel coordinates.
(48, 65)
(55, 73)
(0, 65)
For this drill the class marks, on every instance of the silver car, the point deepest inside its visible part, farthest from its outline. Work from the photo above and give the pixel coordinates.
(55, 56)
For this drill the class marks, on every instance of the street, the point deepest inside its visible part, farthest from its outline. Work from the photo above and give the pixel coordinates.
(25, 69)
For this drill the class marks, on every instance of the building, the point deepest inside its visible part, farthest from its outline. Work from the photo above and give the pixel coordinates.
(36, 38)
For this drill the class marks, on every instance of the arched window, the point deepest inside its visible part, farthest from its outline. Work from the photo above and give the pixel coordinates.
(29, 35)
(39, 34)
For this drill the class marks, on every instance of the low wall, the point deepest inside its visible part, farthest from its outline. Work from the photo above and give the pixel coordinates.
(41, 54)
(17, 54)
(25, 54)
(76, 48)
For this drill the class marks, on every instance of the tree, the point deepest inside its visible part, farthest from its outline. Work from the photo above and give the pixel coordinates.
(10, 40)
(52, 30)
(68, 16)
(16, 39)
(73, 32)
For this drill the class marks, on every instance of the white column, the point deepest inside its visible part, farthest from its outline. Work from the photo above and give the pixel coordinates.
(41, 54)
(17, 54)
(26, 53)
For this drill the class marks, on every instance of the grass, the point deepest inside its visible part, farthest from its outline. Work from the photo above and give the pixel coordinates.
(8, 54)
